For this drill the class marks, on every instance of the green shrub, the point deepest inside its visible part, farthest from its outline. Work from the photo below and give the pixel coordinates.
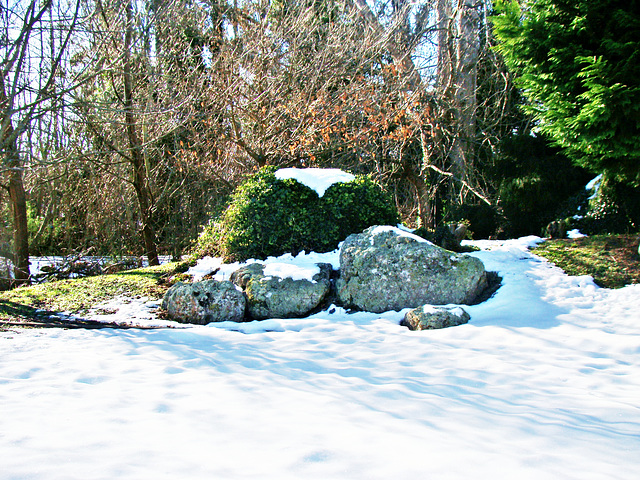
(352, 207)
(615, 208)
(268, 216)
(534, 181)
(208, 241)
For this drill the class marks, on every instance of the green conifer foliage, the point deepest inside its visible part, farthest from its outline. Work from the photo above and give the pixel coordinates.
(578, 63)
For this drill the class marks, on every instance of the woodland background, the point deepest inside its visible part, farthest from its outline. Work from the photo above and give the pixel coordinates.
(126, 124)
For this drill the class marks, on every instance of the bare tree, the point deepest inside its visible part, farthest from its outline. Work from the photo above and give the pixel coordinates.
(150, 77)
(33, 43)
(461, 25)
(209, 90)
(328, 84)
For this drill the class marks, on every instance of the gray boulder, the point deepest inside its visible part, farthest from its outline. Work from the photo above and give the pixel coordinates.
(204, 302)
(385, 268)
(429, 317)
(273, 296)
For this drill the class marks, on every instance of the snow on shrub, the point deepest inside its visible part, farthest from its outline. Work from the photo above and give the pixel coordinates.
(269, 216)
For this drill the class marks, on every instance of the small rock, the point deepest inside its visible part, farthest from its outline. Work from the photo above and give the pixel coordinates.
(429, 317)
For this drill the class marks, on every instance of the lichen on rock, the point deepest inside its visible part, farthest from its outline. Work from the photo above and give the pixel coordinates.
(205, 302)
(270, 296)
(429, 317)
(385, 268)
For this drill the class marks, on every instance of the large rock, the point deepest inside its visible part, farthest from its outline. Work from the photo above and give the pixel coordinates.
(385, 268)
(429, 317)
(281, 290)
(205, 302)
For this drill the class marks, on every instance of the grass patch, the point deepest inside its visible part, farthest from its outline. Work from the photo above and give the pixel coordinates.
(612, 260)
(79, 295)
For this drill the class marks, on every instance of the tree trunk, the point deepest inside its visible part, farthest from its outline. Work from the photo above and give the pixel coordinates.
(140, 178)
(18, 199)
(425, 207)
(444, 20)
(458, 52)
(17, 195)
(140, 185)
(468, 50)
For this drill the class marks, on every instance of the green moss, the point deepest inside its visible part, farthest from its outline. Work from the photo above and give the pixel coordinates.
(612, 260)
(79, 295)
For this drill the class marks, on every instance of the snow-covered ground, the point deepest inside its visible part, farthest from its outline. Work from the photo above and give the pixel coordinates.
(542, 383)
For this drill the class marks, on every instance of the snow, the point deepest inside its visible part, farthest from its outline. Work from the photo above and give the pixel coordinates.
(288, 270)
(542, 383)
(398, 231)
(453, 309)
(318, 179)
(575, 233)
(301, 266)
(594, 185)
(205, 266)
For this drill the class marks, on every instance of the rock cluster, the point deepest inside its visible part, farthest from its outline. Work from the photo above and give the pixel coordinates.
(381, 269)
(252, 294)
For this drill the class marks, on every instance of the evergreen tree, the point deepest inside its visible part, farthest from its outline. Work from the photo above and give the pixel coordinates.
(578, 63)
